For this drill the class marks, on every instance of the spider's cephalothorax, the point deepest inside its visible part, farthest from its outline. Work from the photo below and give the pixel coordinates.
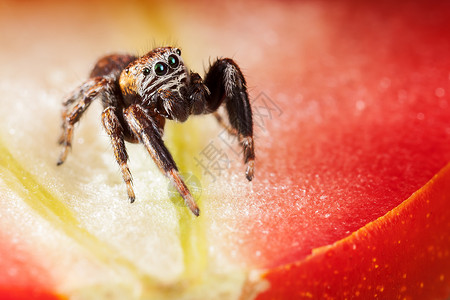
(139, 93)
(159, 81)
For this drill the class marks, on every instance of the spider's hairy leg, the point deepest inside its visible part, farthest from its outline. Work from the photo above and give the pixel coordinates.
(85, 94)
(227, 85)
(114, 129)
(146, 128)
(74, 96)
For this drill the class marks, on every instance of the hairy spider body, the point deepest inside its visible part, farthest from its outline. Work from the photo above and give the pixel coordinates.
(138, 94)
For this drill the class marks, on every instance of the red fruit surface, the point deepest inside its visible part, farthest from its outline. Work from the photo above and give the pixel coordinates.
(20, 277)
(402, 255)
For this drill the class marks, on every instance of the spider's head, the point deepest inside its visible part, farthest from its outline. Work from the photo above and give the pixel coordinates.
(159, 79)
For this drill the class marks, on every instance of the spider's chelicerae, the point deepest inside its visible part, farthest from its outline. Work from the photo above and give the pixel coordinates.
(139, 93)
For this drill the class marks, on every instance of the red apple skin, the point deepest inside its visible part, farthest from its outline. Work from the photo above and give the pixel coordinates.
(21, 277)
(402, 255)
(26, 293)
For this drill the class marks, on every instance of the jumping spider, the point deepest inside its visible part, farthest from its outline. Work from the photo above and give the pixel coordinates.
(138, 94)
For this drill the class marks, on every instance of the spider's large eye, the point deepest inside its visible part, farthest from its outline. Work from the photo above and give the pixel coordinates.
(173, 61)
(161, 69)
(146, 71)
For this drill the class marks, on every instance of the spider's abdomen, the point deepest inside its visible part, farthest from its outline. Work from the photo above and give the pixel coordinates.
(112, 65)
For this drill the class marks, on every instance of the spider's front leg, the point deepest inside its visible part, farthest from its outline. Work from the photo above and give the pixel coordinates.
(146, 129)
(85, 94)
(227, 85)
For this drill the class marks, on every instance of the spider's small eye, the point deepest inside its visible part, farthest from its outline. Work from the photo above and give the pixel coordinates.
(146, 71)
(178, 51)
(161, 69)
(173, 61)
